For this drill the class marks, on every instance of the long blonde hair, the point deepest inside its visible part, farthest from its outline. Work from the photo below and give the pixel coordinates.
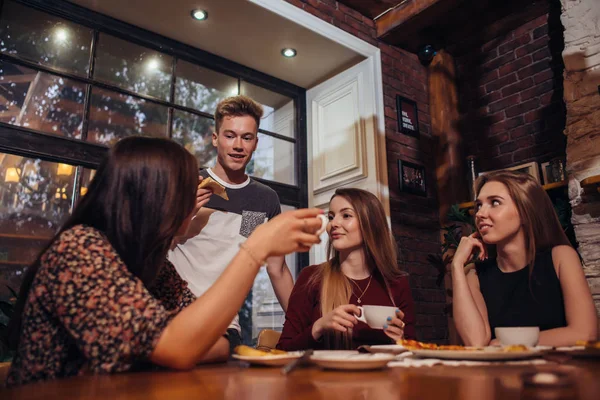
(380, 256)
(538, 218)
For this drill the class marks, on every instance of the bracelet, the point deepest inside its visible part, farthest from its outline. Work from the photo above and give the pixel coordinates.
(252, 255)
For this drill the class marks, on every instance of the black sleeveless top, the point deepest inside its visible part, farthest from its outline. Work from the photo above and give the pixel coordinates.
(511, 301)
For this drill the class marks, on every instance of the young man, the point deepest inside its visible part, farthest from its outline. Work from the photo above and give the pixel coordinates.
(221, 225)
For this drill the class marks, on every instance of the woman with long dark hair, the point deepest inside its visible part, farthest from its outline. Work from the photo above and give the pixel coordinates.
(534, 277)
(362, 269)
(102, 297)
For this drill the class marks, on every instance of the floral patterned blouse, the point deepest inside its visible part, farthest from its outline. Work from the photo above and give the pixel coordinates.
(87, 313)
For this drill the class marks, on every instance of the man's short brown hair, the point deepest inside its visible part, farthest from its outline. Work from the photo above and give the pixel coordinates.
(237, 106)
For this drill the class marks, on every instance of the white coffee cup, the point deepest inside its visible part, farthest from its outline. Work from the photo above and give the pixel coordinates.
(525, 335)
(324, 222)
(376, 316)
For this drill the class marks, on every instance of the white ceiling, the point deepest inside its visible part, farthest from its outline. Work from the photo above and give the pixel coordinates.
(239, 31)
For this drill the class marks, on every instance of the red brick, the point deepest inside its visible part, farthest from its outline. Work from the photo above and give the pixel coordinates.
(368, 38)
(489, 77)
(515, 65)
(502, 161)
(497, 139)
(541, 31)
(357, 23)
(297, 3)
(517, 87)
(508, 147)
(500, 83)
(546, 99)
(393, 82)
(513, 44)
(368, 21)
(317, 13)
(537, 90)
(339, 15)
(543, 76)
(347, 10)
(490, 98)
(506, 125)
(533, 69)
(532, 47)
(503, 104)
(498, 62)
(346, 27)
(327, 9)
(522, 131)
(386, 60)
(541, 54)
(531, 116)
(522, 108)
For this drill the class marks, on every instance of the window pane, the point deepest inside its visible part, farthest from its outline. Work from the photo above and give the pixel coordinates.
(40, 101)
(45, 39)
(279, 115)
(195, 134)
(266, 310)
(35, 199)
(133, 67)
(114, 116)
(273, 160)
(201, 88)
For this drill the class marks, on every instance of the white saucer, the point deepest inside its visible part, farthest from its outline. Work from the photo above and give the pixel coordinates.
(353, 361)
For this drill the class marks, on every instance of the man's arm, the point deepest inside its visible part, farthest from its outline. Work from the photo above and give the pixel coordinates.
(281, 279)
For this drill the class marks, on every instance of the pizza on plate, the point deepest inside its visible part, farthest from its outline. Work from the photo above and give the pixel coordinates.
(252, 352)
(416, 345)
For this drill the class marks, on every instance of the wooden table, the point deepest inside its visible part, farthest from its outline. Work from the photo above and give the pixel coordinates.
(238, 381)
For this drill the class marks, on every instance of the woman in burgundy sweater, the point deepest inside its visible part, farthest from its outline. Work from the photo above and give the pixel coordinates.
(362, 270)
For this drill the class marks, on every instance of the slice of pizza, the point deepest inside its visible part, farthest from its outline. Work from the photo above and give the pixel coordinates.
(216, 187)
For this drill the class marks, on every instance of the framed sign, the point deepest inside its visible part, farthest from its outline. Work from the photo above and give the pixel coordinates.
(411, 178)
(408, 119)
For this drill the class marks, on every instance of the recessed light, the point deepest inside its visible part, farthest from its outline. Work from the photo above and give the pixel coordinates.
(199, 15)
(288, 52)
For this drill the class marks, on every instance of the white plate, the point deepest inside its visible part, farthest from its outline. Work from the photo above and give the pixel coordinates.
(486, 354)
(276, 360)
(353, 361)
(388, 348)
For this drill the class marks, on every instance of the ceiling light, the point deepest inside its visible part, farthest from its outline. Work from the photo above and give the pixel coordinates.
(152, 64)
(288, 52)
(199, 15)
(61, 35)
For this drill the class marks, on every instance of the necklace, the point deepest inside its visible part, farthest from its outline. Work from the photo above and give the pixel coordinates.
(363, 291)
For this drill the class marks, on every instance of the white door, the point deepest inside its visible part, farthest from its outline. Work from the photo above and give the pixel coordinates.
(345, 147)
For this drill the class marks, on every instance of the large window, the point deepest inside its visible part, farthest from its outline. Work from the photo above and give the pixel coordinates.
(71, 86)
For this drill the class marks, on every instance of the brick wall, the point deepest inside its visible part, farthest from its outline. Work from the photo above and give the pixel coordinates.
(414, 219)
(511, 95)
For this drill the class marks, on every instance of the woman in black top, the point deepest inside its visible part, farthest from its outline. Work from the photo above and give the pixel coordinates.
(535, 278)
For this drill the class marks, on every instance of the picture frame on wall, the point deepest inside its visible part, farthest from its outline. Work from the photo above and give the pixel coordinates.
(553, 171)
(408, 117)
(411, 178)
(531, 168)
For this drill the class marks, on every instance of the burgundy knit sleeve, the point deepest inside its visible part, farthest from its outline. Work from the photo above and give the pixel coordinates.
(297, 329)
(404, 301)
